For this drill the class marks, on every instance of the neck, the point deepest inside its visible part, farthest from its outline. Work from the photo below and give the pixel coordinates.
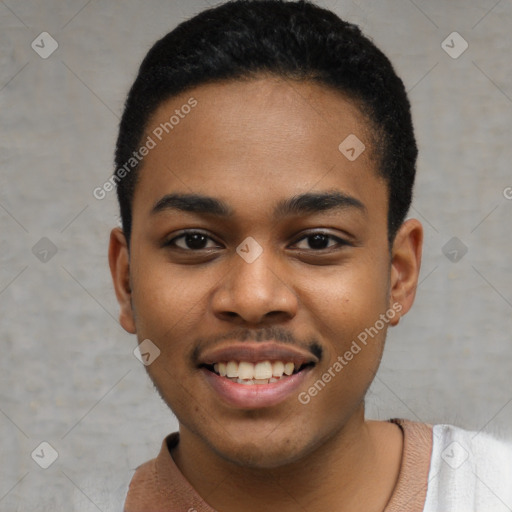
(355, 469)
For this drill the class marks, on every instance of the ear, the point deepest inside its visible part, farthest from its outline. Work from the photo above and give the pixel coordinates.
(119, 261)
(405, 266)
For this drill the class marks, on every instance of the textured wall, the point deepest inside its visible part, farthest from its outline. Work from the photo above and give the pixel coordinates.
(67, 373)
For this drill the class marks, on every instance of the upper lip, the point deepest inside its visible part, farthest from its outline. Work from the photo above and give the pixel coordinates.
(256, 352)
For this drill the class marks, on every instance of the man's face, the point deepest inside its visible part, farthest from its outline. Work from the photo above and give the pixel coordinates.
(322, 278)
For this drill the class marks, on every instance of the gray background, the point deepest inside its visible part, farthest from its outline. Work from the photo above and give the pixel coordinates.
(68, 375)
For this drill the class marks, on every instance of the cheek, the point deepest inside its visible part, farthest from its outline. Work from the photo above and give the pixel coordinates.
(169, 304)
(345, 305)
(349, 296)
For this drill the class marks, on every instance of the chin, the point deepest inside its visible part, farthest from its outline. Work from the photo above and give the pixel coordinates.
(265, 451)
(256, 457)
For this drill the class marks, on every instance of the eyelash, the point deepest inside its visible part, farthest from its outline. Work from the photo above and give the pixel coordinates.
(340, 241)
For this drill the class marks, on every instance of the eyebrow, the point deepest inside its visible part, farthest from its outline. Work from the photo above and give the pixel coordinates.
(302, 204)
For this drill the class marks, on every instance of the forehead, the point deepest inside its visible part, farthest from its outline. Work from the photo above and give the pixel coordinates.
(257, 139)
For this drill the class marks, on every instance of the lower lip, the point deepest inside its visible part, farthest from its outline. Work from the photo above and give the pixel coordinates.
(255, 396)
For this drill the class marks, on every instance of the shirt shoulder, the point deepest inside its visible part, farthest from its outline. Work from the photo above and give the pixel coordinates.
(469, 471)
(159, 486)
(143, 488)
(411, 487)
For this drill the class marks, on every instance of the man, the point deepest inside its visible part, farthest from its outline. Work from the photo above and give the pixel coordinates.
(264, 169)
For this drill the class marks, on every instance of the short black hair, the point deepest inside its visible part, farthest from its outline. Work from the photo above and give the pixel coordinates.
(240, 39)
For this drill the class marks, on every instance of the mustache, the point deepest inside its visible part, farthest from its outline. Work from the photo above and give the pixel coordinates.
(274, 333)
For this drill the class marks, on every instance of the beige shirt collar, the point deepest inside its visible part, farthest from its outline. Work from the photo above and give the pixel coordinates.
(159, 486)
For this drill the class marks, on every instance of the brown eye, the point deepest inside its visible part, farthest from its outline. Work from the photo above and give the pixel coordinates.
(319, 241)
(190, 241)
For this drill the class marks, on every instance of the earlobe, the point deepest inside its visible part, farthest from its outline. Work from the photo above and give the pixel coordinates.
(119, 262)
(405, 267)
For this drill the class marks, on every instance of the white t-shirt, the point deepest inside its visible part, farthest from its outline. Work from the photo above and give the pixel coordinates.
(469, 472)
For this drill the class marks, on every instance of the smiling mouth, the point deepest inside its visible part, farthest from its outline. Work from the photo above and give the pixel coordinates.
(262, 372)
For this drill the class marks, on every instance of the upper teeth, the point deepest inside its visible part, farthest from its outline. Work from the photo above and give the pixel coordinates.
(248, 371)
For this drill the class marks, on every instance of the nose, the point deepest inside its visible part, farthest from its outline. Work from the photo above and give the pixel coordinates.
(255, 293)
